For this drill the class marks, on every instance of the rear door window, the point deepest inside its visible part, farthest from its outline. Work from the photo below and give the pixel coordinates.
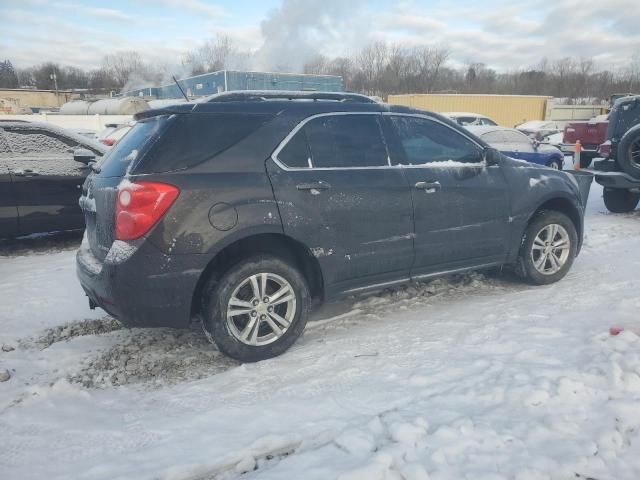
(346, 141)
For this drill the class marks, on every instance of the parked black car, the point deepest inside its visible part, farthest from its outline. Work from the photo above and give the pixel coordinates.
(42, 169)
(246, 210)
(619, 173)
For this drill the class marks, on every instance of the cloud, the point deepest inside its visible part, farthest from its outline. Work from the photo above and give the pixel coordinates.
(197, 7)
(503, 34)
(107, 13)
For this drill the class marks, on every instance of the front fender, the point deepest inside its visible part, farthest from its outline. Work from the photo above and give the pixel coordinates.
(533, 188)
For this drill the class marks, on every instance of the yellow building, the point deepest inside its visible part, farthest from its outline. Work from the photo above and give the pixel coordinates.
(506, 110)
(27, 98)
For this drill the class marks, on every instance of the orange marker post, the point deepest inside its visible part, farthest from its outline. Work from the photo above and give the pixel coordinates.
(576, 156)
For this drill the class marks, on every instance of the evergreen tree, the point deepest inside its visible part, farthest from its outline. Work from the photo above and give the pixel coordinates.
(8, 76)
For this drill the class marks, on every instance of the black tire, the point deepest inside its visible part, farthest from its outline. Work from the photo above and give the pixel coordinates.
(586, 159)
(218, 294)
(620, 200)
(526, 268)
(555, 163)
(628, 154)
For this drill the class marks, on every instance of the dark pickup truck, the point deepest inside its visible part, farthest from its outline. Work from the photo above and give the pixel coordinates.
(619, 171)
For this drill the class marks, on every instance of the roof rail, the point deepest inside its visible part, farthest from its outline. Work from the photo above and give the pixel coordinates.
(263, 95)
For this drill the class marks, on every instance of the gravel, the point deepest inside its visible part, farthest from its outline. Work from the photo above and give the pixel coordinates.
(154, 357)
(72, 330)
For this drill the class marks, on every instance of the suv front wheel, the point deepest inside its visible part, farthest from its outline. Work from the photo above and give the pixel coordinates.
(548, 248)
(257, 309)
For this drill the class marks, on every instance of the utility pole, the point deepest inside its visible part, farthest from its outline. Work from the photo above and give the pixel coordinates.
(54, 77)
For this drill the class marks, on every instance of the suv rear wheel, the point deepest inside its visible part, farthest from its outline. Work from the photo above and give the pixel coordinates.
(629, 152)
(620, 200)
(257, 309)
(548, 248)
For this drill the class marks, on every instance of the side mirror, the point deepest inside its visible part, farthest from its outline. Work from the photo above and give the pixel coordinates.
(491, 156)
(83, 155)
(535, 143)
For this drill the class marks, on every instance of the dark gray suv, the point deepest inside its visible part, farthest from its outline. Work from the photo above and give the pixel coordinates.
(246, 210)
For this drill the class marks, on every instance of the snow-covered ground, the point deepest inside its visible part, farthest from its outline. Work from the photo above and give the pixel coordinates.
(473, 377)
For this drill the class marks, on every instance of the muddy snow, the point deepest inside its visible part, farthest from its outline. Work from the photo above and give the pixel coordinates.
(473, 376)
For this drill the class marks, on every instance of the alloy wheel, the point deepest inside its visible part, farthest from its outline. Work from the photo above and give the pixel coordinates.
(550, 249)
(261, 309)
(634, 153)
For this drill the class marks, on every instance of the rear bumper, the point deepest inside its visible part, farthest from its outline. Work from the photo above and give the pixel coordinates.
(616, 180)
(140, 286)
(570, 149)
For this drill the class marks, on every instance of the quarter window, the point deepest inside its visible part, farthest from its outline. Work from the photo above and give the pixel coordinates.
(346, 141)
(296, 152)
(424, 141)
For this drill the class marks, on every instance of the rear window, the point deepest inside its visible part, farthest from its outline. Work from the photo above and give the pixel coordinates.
(196, 137)
(131, 146)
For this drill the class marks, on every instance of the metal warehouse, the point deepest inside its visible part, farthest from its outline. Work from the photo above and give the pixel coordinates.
(226, 80)
(507, 110)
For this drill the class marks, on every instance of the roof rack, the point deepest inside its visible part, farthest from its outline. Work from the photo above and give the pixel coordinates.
(264, 95)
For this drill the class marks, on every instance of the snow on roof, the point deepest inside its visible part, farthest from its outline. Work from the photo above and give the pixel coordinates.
(482, 129)
(76, 137)
(462, 114)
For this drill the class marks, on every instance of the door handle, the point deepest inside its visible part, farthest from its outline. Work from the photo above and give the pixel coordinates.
(428, 187)
(313, 186)
(27, 172)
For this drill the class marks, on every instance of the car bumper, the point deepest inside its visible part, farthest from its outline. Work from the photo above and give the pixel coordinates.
(616, 180)
(570, 149)
(143, 287)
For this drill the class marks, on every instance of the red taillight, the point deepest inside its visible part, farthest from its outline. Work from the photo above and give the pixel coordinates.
(604, 150)
(140, 205)
(108, 141)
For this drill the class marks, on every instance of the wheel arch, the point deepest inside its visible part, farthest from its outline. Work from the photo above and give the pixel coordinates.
(562, 205)
(276, 244)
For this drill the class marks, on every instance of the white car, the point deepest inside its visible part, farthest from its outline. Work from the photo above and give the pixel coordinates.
(540, 129)
(467, 119)
(112, 133)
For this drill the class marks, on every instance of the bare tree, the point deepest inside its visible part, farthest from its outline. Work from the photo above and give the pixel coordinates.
(123, 65)
(212, 56)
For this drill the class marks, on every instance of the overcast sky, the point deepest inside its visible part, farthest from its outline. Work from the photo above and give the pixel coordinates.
(503, 34)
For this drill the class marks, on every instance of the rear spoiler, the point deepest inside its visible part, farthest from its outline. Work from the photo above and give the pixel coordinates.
(169, 110)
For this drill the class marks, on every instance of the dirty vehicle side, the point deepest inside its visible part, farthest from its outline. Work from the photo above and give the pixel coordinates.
(619, 172)
(246, 210)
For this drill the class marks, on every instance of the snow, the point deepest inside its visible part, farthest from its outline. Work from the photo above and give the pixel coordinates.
(451, 164)
(469, 377)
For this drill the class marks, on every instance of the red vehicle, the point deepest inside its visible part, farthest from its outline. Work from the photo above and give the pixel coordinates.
(591, 135)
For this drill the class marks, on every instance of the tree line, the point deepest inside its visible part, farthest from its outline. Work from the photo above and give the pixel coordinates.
(377, 69)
